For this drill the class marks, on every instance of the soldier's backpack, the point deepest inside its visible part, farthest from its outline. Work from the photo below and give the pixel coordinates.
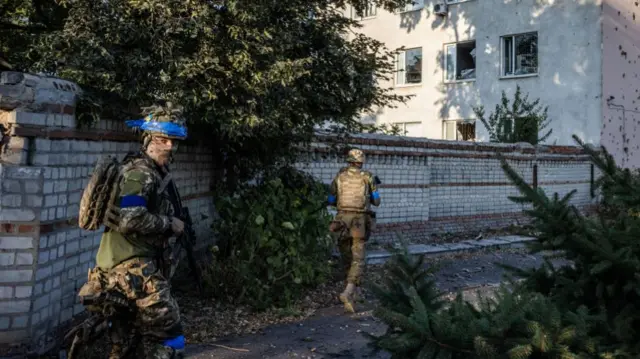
(353, 191)
(96, 205)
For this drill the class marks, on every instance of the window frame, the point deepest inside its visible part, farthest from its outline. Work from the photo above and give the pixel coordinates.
(445, 63)
(404, 126)
(455, 2)
(502, 74)
(371, 5)
(457, 122)
(413, 7)
(403, 54)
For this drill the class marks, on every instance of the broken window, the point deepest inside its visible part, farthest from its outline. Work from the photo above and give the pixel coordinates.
(520, 54)
(409, 66)
(460, 61)
(414, 5)
(460, 130)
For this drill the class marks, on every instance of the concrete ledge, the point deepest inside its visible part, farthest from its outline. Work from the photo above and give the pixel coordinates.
(381, 256)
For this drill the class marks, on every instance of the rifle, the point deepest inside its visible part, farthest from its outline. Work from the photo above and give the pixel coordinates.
(187, 239)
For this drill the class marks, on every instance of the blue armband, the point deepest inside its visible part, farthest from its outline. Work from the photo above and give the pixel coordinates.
(132, 201)
(375, 195)
(332, 199)
(176, 343)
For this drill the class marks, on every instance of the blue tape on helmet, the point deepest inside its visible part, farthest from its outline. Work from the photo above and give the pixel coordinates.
(169, 129)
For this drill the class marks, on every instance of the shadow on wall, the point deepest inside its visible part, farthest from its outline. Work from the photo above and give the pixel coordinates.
(571, 88)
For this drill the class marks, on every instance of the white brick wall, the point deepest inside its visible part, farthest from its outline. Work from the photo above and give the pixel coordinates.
(428, 186)
(444, 186)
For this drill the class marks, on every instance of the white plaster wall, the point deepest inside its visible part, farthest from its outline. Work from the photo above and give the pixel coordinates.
(569, 56)
(621, 88)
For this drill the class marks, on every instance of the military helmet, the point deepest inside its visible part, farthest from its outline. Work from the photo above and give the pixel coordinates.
(355, 155)
(162, 119)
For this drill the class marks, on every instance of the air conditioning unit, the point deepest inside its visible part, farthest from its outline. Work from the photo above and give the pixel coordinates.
(440, 9)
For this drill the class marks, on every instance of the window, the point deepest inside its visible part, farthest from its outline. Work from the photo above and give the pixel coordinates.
(459, 130)
(460, 61)
(416, 5)
(370, 10)
(409, 67)
(411, 129)
(520, 54)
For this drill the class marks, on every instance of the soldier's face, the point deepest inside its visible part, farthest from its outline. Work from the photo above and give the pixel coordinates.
(160, 149)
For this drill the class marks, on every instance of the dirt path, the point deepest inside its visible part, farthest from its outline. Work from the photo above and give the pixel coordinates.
(332, 334)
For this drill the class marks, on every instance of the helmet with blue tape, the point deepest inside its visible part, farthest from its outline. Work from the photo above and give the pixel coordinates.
(163, 120)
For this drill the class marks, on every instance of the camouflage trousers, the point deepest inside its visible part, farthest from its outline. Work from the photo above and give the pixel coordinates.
(157, 313)
(354, 230)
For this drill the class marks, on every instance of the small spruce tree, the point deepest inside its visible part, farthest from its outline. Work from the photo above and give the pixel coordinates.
(518, 121)
(588, 309)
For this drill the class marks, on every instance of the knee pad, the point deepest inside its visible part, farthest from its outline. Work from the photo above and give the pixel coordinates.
(176, 343)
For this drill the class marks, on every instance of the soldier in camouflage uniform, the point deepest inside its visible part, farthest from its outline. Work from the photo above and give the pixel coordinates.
(353, 190)
(130, 259)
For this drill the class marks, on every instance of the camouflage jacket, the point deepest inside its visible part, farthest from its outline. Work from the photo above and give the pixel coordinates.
(145, 215)
(356, 196)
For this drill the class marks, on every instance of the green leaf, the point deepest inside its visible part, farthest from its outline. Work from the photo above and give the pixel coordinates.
(288, 225)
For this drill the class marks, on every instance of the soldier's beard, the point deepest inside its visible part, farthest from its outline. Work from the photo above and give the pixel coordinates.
(160, 156)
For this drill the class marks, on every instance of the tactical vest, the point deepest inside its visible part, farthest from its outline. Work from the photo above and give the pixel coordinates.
(353, 190)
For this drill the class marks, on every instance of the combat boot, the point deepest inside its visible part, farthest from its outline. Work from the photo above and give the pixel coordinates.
(346, 297)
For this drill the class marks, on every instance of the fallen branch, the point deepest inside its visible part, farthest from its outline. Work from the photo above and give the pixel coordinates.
(226, 347)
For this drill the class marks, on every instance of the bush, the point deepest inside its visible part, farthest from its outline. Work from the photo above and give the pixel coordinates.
(518, 121)
(273, 241)
(589, 309)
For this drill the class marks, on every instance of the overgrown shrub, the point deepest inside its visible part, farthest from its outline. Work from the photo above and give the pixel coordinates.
(519, 121)
(588, 309)
(273, 241)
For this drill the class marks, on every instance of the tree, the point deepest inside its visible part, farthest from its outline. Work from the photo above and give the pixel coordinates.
(255, 77)
(588, 309)
(520, 121)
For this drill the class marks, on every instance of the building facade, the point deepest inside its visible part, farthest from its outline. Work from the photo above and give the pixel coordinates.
(460, 54)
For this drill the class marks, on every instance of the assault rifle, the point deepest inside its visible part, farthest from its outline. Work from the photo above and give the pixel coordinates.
(187, 239)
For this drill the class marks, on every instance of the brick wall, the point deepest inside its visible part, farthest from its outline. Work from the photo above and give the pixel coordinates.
(433, 186)
(45, 160)
(46, 163)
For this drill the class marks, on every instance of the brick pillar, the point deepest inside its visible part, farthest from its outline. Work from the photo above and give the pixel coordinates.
(29, 106)
(21, 199)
